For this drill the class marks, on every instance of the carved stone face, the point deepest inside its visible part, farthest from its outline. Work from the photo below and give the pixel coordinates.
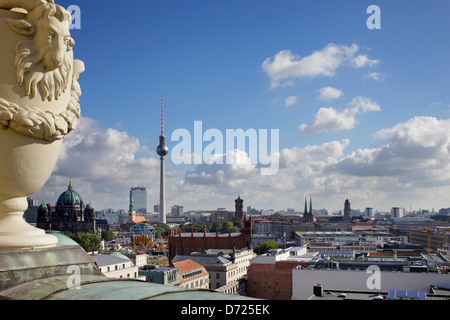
(53, 36)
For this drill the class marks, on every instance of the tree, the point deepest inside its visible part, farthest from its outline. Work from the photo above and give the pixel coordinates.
(107, 235)
(216, 226)
(161, 230)
(263, 247)
(227, 226)
(89, 242)
(239, 224)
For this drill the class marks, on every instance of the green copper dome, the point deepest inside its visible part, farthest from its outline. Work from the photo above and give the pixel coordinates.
(43, 206)
(70, 198)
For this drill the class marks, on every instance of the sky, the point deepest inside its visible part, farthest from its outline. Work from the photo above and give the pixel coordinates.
(362, 113)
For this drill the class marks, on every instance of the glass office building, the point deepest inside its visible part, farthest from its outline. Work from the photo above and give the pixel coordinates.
(139, 195)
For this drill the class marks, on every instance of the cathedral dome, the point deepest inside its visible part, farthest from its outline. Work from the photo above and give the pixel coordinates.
(43, 206)
(70, 198)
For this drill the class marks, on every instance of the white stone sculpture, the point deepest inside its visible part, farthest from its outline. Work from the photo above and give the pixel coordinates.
(39, 106)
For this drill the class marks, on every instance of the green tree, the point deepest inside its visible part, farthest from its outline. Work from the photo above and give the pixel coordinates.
(161, 230)
(88, 241)
(235, 229)
(107, 235)
(239, 224)
(227, 226)
(216, 226)
(263, 247)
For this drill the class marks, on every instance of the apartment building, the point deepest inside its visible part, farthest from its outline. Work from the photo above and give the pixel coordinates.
(225, 267)
(116, 265)
(192, 275)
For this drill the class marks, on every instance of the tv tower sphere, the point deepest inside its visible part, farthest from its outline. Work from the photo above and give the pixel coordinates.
(162, 149)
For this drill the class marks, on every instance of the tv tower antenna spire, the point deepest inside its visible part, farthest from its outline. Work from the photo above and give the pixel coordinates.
(162, 115)
(162, 151)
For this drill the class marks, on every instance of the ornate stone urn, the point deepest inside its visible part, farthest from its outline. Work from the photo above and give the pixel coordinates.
(39, 106)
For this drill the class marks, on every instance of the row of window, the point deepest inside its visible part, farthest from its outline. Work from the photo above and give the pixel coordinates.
(192, 273)
(199, 283)
(116, 267)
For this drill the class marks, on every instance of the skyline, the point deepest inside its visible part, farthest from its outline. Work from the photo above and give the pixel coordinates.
(362, 114)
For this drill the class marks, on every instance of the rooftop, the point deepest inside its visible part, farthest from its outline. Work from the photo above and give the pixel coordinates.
(47, 274)
(322, 294)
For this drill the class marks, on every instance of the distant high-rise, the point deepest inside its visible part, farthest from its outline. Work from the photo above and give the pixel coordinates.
(347, 211)
(177, 211)
(162, 151)
(139, 195)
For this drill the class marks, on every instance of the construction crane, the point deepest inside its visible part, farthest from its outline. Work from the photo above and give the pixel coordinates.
(162, 248)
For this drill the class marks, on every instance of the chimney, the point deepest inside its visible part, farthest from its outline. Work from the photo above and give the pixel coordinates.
(318, 290)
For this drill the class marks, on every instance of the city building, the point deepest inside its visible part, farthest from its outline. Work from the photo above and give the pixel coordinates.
(435, 293)
(142, 235)
(192, 275)
(227, 268)
(177, 211)
(270, 275)
(187, 242)
(303, 281)
(432, 239)
(397, 212)
(328, 238)
(139, 195)
(222, 215)
(70, 215)
(168, 276)
(116, 265)
(138, 259)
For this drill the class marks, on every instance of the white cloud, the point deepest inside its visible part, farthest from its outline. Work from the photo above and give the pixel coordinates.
(211, 172)
(291, 101)
(416, 151)
(376, 76)
(362, 61)
(330, 93)
(411, 164)
(285, 65)
(330, 119)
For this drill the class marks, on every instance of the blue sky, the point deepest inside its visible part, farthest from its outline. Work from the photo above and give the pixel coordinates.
(367, 118)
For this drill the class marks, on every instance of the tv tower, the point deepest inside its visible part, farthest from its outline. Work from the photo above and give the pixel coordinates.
(162, 150)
